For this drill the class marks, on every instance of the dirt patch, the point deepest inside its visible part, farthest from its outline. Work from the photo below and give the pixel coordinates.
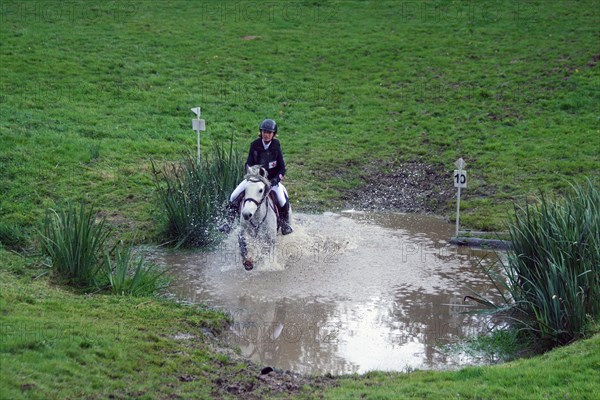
(406, 187)
(234, 376)
(594, 61)
(250, 383)
(257, 382)
(28, 386)
(116, 220)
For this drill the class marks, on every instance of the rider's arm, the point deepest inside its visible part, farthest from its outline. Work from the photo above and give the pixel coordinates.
(280, 163)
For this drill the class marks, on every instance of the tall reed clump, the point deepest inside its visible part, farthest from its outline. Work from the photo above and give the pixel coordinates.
(77, 246)
(553, 270)
(194, 195)
(74, 241)
(129, 274)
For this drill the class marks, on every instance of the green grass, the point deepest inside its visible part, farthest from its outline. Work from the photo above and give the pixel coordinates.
(567, 373)
(55, 344)
(91, 92)
(13, 237)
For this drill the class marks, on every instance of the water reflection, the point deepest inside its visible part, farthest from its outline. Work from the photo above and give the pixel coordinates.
(345, 293)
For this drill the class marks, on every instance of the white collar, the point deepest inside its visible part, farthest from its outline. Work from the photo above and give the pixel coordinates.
(266, 145)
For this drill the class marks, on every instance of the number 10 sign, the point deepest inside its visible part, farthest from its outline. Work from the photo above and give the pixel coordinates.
(460, 178)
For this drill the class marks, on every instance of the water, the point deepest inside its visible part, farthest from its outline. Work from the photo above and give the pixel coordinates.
(348, 292)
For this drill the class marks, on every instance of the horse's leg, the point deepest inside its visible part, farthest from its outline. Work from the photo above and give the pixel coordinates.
(243, 245)
(267, 241)
(270, 234)
(272, 249)
(248, 264)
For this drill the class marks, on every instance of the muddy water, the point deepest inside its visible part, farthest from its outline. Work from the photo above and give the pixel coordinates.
(348, 292)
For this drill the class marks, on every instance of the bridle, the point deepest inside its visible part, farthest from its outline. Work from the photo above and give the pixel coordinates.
(259, 203)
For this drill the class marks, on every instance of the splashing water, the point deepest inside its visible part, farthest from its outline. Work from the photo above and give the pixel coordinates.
(344, 293)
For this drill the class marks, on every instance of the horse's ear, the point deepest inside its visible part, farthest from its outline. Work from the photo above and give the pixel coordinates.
(247, 169)
(263, 172)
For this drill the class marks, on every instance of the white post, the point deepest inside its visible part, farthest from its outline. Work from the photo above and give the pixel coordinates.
(457, 212)
(460, 181)
(199, 150)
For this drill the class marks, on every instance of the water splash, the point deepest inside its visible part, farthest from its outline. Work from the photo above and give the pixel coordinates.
(344, 293)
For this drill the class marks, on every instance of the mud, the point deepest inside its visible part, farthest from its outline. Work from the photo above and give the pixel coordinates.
(412, 187)
(257, 382)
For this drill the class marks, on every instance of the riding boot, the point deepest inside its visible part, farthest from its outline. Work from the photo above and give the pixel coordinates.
(284, 217)
(232, 213)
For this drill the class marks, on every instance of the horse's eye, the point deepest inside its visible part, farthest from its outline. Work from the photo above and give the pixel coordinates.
(260, 191)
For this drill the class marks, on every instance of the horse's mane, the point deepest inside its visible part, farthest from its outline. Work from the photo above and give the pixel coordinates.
(254, 174)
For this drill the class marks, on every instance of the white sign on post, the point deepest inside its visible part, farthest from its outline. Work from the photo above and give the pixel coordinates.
(198, 125)
(460, 178)
(460, 181)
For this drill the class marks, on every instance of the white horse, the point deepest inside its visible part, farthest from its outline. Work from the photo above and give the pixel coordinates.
(258, 218)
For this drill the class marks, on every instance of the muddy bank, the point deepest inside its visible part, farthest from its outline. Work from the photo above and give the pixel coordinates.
(255, 381)
(411, 187)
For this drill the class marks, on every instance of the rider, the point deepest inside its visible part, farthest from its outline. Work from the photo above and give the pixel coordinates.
(266, 152)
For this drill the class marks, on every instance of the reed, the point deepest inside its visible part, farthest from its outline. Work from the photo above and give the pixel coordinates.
(194, 194)
(551, 281)
(74, 241)
(128, 274)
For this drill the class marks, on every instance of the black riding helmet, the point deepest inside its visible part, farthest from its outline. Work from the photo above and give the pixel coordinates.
(268, 125)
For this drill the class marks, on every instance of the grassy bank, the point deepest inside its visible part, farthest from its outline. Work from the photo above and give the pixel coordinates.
(90, 92)
(56, 344)
(566, 373)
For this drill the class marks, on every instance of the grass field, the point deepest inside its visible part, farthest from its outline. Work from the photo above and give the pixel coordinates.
(92, 91)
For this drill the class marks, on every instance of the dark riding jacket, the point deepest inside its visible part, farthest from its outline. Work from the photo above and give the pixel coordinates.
(270, 159)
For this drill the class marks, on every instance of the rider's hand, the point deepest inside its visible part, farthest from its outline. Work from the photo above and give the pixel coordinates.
(274, 181)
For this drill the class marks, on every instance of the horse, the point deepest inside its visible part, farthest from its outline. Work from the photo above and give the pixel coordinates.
(258, 217)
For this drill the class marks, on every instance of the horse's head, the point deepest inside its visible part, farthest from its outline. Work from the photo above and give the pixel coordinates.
(256, 191)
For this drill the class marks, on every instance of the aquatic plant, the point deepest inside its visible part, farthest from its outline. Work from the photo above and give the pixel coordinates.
(130, 274)
(74, 241)
(193, 195)
(551, 280)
